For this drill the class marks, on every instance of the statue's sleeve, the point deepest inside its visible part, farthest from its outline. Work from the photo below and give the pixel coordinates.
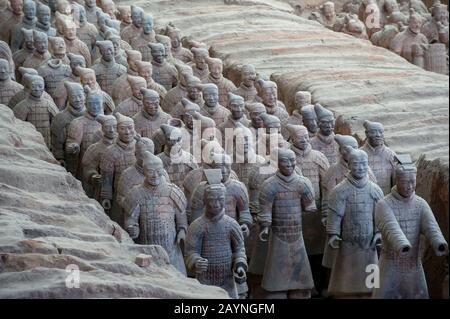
(21, 111)
(253, 192)
(107, 172)
(180, 202)
(336, 209)
(108, 104)
(58, 138)
(323, 166)
(74, 133)
(237, 245)
(194, 243)
(196, 206)
(90, 163)
(429, 227)
(307, 196)
(396, 44)
(132, 211)
(387, 224)
(242, 205)
(326, 187)
(372, 176)
(266, 198)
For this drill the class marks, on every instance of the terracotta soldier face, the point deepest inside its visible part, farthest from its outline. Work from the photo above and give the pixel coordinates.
(153, 175)
(116, 43)
(4, 70)
(173, 141)
(136, 17)
(136, 89)
(64, 7)
(406, 183)
(358, 165)
(237, 109)
(225, 168)
(70, 31)
(158, 56)
(145, 71)
(94, 105)
(188, 120)
(326, 126)
(151, 104)
(41, 45)
(270, 96)
(107, 52)
(89, 80)
(37, 88)
(193, 92)
(200, 61)
(147, 24)
(16, 6)
(28, 40)
(126, 132)
(77, 99)
(109, 8)
(59, 46)
(390, 6)
(211, 97)
(125, 14)
(29, 9)
(109, 130)
(248, 75)
(216, 70)
(286, 163)
(301, 140)
(328, 10)
(82, 14)
(43, 14)
(215, 201)
(273, 127)
(415, 24)
(310, 124)
(375, 134)
(90, 3)
(257, 121)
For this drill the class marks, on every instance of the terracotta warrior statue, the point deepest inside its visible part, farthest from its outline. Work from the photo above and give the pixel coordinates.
(108, 7)
(60, 125)
(269, 95)
(351, 229)
(58, 49)
(41, 53)
(87, 31)
(215, 249)
(395, 23)
(272, 136)
(36, 109)
(309, 119)
(178, 52)
(124, 15)
(87, 77)
(133, 104)
(145, 70)
(177, 162)
(381, 158)
(167, 43)
(53, 72)
(121, 88)
(163, 72)
(140, 43)
(175, 94)
(193, 95)
(26, 82)
(236, 105)
(83, 132)
(324, 140)
(187, 129)
(43, 22)
(216, 77)
(199, 66)
(27, 50)
(91, 11)
(60, 92)
(73, 44)
(13, 17)
(402, 217)
(282, 199)
(92, 179)
(135, 28)
(439, 13)
(117, 158)
(150, 117)
(301, 99)
(28, 22)
(247, 87)
(255, 110)
(212, 107)
(8, 87)
(149, 223)
(326, 16)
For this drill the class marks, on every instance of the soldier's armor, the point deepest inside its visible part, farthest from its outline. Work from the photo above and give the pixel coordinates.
(60, 94)
(384, 36)
(106, 73)
(8, 89)
(249, 94)
(130, 32)
(146, 125)
(19, 58)
(295, 119)
(83, 131)
(182, 54)
(141, 44)
(382, 163)
(201, 74)
(88, 33)
(91, 15)
(232, 123)
(403, 43)
(35, 60)
(16, 32)
(129, 107)
(54, 72)
(78, 47)
(152, 85)
(47, 29)
(178, 110)
(280, 112)
(59, 130)
(121, 89)
(8, 25)
(164, 74)
(177, 171)
(218, 113)
(430, 30)
(23, 94)
(172, 97)
(40, 113)
(224, 85)
(244, 168)
(221, 242)
(326, 145)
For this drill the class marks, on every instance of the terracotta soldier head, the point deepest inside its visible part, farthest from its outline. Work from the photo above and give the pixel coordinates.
(29, 9)
(325, 119)
(271, 123)
(439, 12)
(328, 10)
(90, 3)
(175, 36)
(16, 6)
(69, 29)
(116, 40)
(208, 126)
(132, 57)
(136, 83)
(345, 143)
(26, 80)
(5, 72)
(223, 162)
(125, 128)
(236, 105)
(87, 77)
(43, 14)
(37, 86)
(193, 84)
(268, 91)
(405, 178)
(214, 196)
(298, 136)
(358, 163)
(125, 14)
(63, 7)
(40, 41)
(109, 126)
(150, 101)
(158, 52)
(184, 72)
(165, 41)
(200, 56)
(374, 133)
(57, 47)
(301, 99)
(210, 94)
(137, 14)
(94, 101)
(112, 24)
(173, 138)
(189, 109)
(215, 67)
(255, 111)
(242, 141)
(309, 118)
(109, 7)
(248, 75)
(28, 42)
(153, 169)
(286, 161)
(415, 22)
(75, 95)
(147, 24)
(143, 144)
(106, 50)
(145, 70)
(390, 6)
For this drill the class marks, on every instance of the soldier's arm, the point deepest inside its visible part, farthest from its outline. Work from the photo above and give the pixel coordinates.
(196, 204)
(266, 198)
(431, 230)
(21, 111)
(58, 139)
(193, 245)
(237, 246)
(132, 212)
(90, 164)
(180, 213)
(242, 205)
(308, 196)
(74, 135)
(108, 104)
(336, 211)
(253, 193)
(107, 172)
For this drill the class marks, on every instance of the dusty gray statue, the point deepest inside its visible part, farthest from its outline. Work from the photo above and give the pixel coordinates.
(324, 140)
(8, 87)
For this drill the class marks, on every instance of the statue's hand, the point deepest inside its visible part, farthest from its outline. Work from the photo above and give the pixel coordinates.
(376, 240)
(133, 230)
(333, 241)
(264, 234)
(324, 221)
(201, 265)
(96, 179)
(441, 249)
(181, 236)
(73, 148)
(245, 230)
(240, 274)
(106, 203)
